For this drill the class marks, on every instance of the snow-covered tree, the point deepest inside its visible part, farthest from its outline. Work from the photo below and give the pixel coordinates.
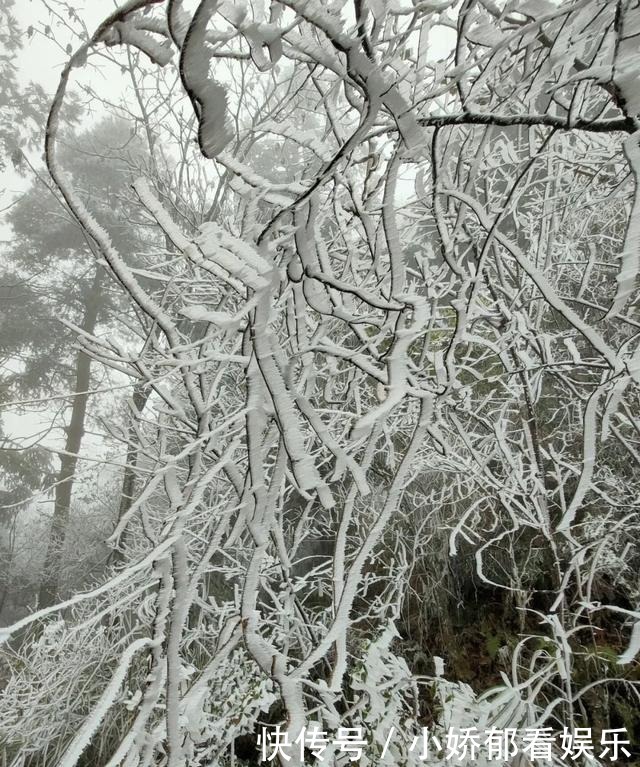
(399, 365)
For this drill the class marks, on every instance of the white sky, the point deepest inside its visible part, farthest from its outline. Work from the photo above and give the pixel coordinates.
(41, 61)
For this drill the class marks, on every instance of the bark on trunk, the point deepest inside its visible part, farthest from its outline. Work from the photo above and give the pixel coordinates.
(48, 594)
(140, 396)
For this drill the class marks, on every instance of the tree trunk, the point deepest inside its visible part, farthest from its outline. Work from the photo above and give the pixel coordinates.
(49, 585)
(140, 397)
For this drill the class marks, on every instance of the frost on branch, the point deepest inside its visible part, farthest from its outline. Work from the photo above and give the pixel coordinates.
(208, 97)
